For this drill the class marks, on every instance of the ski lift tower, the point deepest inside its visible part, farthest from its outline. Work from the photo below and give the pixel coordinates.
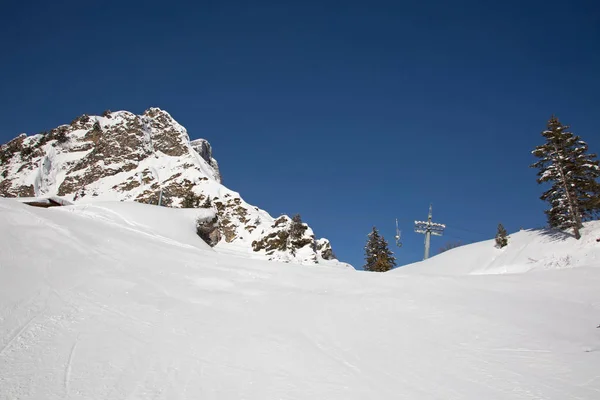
(429, 228)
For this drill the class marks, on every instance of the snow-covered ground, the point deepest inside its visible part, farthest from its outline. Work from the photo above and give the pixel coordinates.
(123, 301)
(528, 250)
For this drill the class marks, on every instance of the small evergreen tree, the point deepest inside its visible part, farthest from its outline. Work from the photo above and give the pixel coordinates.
(371, 250)
(297, 229)
(378, 257)
(501, 237)
(61, 137)
(207, 203)
(26, 152)
(565, 163)
(190, 200)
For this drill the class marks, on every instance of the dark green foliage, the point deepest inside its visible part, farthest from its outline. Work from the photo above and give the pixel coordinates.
(84, 119)
(96, 127)
(207, 203)
(378, 256)
(297, 229)
(4, 157)
(190, 200)
(371, 250)
(296, 234)
(594, 205)
(5, 173)
(7, 152)
(283, 241)
(501, 237)
(46, 137)
(61, 137)
(26, 152)
(450, 246)
(572, 172)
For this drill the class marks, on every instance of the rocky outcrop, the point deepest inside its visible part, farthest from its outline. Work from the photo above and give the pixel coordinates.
(202, 147)
(127, 157)
(288, 236)
(324, 250)
(209, 230)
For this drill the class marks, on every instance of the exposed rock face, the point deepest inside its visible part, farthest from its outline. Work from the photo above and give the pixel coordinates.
(122, 156)
(144, 152)
(209, 230)
(324, 249)
(288, 236)
(283, 236)
(202, 147)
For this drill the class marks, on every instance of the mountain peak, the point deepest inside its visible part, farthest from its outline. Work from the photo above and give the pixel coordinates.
(121, 156)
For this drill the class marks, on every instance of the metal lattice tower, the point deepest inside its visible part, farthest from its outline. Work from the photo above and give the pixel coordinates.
(429, 228)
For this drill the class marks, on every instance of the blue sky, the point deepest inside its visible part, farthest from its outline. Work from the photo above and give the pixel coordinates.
(349, 113)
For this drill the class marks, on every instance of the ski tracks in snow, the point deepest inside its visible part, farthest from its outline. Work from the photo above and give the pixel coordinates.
(35, 305)
(20, 331)
(69, 367)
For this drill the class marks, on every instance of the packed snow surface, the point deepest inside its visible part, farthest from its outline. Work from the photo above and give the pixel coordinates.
(528, 250)
(123, 301)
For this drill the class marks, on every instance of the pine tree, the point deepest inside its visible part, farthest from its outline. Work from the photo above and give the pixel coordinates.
(190, 200)
(378, 256)
(371, 250)
(594, 206)
(501, 237)
(207, 203)
(386, 260)
(297, 228)
(564, 162)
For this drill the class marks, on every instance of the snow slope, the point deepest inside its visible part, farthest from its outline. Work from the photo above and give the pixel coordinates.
(97, 302)
(528, 250)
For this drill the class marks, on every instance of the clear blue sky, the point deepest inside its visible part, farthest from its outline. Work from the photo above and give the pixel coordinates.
(349, 113)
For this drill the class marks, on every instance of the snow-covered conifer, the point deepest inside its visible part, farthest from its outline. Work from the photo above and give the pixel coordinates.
(501, 237)
(378, 256)
(572, 172)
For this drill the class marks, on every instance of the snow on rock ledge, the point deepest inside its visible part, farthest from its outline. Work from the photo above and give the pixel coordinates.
(120, 156)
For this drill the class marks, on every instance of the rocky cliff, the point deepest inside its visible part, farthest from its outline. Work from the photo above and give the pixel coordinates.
(127, 157)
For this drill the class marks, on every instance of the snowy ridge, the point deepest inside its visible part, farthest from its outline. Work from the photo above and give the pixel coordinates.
(527, 250)
(119, 300)
(120, 156)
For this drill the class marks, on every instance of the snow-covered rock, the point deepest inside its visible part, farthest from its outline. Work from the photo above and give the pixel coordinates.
(120, 156)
